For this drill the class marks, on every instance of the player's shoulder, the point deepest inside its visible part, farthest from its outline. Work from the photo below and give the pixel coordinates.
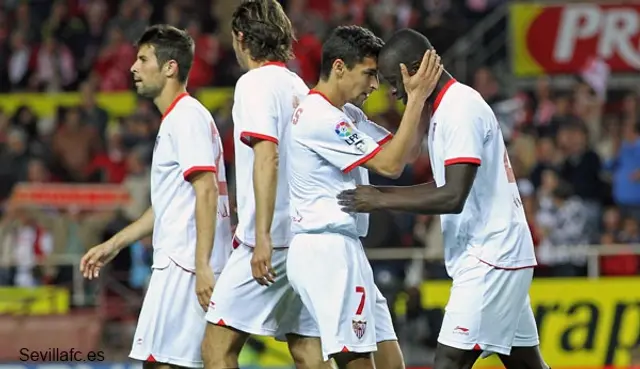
(270, 77)
(188, 109)
(458, 95)
(315, 107)
(315, 114)
(354, 113)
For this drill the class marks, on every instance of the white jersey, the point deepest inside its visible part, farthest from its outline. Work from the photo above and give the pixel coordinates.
(264, 101)
(329, 145)
(187, 142)
(492, 226)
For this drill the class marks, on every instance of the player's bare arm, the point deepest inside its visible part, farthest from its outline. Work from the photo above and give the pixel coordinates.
(205, 188)
(99, 255)
(423, 199)
(390, 161)
(265, 183)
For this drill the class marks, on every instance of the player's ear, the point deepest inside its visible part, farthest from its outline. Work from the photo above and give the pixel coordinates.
(170, 68)
(339, 67)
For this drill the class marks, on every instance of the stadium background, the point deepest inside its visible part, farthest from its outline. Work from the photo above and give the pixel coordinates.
(75, 145)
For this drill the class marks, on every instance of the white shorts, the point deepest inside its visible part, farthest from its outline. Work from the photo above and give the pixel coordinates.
(171, 323)
(489, 310)
(238, 301)
(334, 279)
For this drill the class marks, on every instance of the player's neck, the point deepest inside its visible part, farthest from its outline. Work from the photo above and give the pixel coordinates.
(168, 96)
(331, 93)
(444, 79)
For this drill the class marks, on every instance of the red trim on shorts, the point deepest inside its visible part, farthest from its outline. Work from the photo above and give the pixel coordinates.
(441, 94)
(245, 137)
(235, 243)
(477, 347)
(173, 104)
(505, 268)
(151, 359)
(198, 169)
(221, 323)
(385, 139)
(344, 349)
(275, 63)
(467, 160)
(362, 160)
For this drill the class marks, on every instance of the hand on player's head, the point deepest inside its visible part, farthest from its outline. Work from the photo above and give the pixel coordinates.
(422, 83)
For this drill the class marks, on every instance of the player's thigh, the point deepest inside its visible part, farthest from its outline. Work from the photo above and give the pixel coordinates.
(306, 352)
(448, 357)
(329, 273)
(239, 302)
(170, 310)
(524, 358)
(388, 355)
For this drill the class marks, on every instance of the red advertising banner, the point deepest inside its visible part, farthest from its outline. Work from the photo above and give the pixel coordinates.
(562, 39)
(82, 196)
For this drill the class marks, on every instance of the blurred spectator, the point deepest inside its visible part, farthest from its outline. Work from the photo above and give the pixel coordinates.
(114, 61)
(74, 144)
(564, 232)
(626, 172)
(54, 67)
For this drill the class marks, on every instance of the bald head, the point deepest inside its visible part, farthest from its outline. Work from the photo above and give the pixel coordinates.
(406, 46)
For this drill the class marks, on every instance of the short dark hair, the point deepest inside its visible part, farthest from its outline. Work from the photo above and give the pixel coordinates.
(351, 44)
(266, 30)
(170, 43)
(405, 46)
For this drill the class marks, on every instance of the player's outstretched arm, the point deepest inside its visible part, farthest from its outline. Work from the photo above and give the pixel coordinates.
(206, 190)
(98, 256)
(424, 199)
(390, 161)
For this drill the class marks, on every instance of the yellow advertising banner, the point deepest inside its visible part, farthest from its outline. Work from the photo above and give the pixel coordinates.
(120, 104)
(564, 38)
(581, 322)
(34, 301)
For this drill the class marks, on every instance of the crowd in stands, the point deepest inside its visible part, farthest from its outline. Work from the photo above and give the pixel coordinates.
(576, 155)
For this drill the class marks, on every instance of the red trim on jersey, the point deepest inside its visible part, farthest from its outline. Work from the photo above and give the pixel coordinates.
(316, 92)
(246, 137)
(174, 103)
(441, 94)
(385, 139)
(362, 160)
(275, 63)
(503, 268)
(463, 160)
(198, 169)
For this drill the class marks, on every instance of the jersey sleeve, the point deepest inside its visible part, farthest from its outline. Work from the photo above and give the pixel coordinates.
(196, 145)
(376, 132)
(256, 111)
(463, 135)
(340, 143)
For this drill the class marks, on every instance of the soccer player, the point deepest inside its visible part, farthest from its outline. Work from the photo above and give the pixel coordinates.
(189, 212)
(488, 247)
(264, 100)
(333, 144)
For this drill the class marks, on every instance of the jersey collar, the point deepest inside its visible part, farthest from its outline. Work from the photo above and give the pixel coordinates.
(275, 63)
(174, 103)
(441, 94)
